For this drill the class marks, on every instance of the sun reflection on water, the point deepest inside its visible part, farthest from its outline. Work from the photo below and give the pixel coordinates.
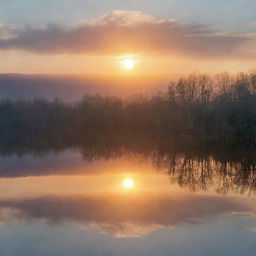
(128, 183)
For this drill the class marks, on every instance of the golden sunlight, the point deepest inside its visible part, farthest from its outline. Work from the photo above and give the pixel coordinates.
(128, 183)
(128, 64)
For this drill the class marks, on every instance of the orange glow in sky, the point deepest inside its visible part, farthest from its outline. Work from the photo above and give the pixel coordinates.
(22, 62)
(128, 64)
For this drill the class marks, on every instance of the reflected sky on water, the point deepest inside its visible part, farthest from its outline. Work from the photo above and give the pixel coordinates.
(63, 204)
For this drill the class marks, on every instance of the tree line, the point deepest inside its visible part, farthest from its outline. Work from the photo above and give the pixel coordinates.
(219, 107)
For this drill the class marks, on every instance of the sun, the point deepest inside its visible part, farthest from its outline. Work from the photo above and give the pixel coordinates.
(128, 183)
(128, 64)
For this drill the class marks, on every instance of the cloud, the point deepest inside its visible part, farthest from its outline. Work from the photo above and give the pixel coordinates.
(6, 32)
(121, 32)
(123, 215)
(251, 229)
(253, 22)
(127, 18)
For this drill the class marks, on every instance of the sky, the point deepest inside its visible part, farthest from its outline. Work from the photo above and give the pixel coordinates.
(96, 36)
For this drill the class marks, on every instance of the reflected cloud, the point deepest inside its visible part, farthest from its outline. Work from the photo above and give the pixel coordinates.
(122, 215)
(251, 229)
(124, 230)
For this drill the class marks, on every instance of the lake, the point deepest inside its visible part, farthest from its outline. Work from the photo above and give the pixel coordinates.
(71, 202)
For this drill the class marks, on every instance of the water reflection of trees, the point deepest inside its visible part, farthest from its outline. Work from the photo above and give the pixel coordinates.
(192, 162)
(200, 174)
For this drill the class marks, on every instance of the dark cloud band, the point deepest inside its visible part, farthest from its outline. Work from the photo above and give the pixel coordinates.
(125, 32)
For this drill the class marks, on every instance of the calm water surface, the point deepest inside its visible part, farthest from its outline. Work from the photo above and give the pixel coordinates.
(64, 204)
